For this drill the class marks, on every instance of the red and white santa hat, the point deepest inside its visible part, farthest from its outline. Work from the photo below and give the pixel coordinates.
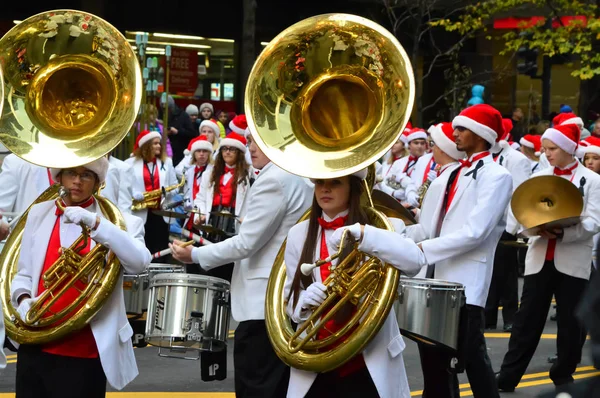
(415, 134)
(532, 141)
(442, 135)
(198, 144)
(235, 140)
(483, 120)
(239, 124)
(144, 137)
(98, 166)
(565, 136)
(507, 124)
(567, 118)
(514, 145)
(212, 123)
(589, 145)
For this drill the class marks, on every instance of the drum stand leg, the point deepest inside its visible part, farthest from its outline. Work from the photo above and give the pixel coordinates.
(176, 349)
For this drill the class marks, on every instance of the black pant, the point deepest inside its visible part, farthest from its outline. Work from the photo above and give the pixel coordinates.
(531, 319)
(330, 385)
(156, 236)
(505, 284)
(259, 373)
(441, 382)
(43, 375)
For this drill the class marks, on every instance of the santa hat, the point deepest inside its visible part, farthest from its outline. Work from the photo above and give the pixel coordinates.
(483, 120)
(212, 123)
(589, 145)
(144, 137)
(191, 110)
(442, 135)
(235, 140)
(565, 136)
(415, 134)
(197, 144)
(514, 145)
(507, 124)
(207, 105)
(532, 141)
(567, 118)
(239, 124)
(98, 166)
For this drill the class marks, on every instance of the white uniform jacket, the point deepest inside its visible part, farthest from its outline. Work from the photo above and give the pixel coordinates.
(573, 253)
(22, 182)
(471, 228)
(383, 355)
(204, 199)
(424, 165)
(544, 164)
(183, 165)
(166, 174)
(110, 326)
(275, 202)
(118, 184)
(401, 166)
(519, 168)
(189, 182)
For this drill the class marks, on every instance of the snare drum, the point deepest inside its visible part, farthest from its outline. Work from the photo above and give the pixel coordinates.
(135, 287)
(188, 312)
(428, 310)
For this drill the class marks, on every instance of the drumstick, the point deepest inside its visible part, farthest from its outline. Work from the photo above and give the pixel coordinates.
(165, 252)
(197, 238)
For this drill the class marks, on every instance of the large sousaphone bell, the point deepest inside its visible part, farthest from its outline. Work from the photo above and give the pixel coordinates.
(546, 202)
(71, 91)
(327, 97)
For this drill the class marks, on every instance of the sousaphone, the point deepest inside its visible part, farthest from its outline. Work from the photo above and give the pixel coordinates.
(71, 91)
(328, 97)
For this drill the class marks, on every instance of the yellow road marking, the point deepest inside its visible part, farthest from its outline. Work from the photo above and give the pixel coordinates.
(144, 394)
(545, 336)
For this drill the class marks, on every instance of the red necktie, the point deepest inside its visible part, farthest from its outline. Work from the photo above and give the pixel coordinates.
(229, 170)
(564, 172)
(463, 163)
(324, 252)
(552, 242)
(85, 204)
(196, 187)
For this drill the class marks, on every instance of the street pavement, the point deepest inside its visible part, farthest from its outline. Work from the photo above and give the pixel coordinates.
(175, 378)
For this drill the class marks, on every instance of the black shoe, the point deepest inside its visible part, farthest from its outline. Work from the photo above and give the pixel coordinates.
(507, 327)
(552, 359)
(503, 388)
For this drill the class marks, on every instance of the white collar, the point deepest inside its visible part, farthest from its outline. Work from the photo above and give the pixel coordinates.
(447, 166)
(341, 214)
(575, 162)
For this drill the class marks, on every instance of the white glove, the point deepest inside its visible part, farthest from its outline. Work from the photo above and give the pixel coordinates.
(405, 181)
(138, 196)
(313, 296)
(79, 215)
(336, 238)
(412, 198)
(399, 194)
(432, 175)
(25, 306)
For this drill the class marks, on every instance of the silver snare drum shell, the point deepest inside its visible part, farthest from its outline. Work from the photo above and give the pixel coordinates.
(134, 294)
(156, 268)
(188, 311)
(428, 310)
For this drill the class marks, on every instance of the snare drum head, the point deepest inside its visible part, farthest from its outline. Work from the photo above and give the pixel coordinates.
(180, 279)
(157, 268)
(433, 283)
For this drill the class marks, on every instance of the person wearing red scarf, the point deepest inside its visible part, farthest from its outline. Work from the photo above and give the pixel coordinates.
(80, 363)
(379, 369)
(559, 264)
(200, 162)
(152, 169)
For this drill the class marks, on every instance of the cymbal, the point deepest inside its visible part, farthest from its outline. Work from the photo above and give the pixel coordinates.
(391, 207)
(211, 230)
(546, 202)
(170, 214)
(223, 213)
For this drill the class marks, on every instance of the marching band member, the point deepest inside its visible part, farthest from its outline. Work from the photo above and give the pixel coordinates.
(79, 364)
(416, 140)
(118, 184)
(200, 162)
(505, 278)
(22, 182)
(379, 369)
(466, 223)
(224, 188)
(275, 202)
(558, 263)
(531, 147)
(211, 130)
(397, 152)
(151, 170)
(239, 124)
(591, 160)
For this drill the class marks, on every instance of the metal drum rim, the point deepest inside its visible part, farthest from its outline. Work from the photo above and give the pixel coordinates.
(427, 283)
(188, 280)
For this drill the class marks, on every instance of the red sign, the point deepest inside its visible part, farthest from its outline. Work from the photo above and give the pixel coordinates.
(525, 23)
(183, 76)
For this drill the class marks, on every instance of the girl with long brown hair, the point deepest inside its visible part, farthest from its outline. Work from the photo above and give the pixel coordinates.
(223, 190)
(379, 369)
(152, 170)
